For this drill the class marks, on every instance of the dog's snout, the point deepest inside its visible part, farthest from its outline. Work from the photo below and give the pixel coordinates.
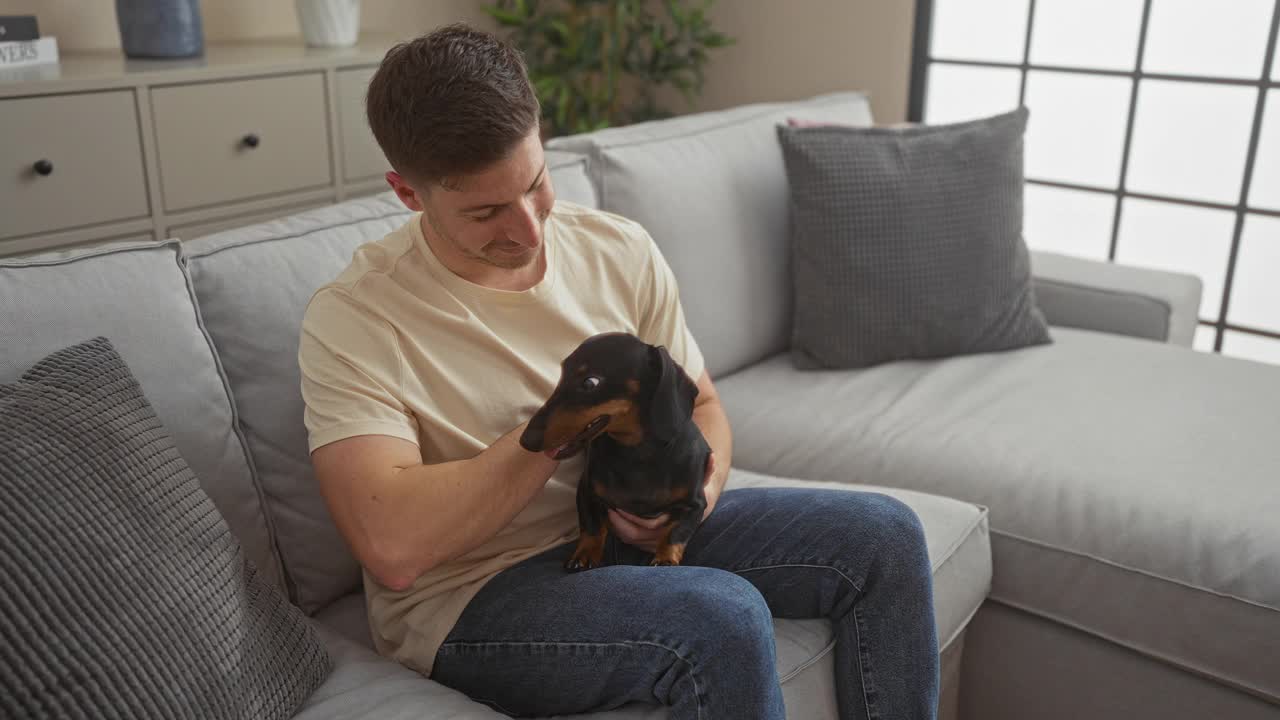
(533, 437)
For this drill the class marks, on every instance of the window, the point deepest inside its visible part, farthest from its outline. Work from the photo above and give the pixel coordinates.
(1153, 139)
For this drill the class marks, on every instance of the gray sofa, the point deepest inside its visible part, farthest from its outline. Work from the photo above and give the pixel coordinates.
(1100, 512)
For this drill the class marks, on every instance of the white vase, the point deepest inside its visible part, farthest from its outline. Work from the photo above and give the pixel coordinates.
(329, 23)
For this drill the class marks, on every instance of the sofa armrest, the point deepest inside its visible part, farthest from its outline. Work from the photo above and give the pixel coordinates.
(1123, 299)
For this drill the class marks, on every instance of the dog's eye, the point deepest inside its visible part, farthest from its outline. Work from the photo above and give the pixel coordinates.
(591, 382)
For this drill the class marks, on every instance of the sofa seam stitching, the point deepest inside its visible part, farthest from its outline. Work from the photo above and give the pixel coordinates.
(84, 253)
(294, 235)
(255, 476)
(1136, 571)
(728, 122)
(983, 514)
(1142, 650)
(810, 662)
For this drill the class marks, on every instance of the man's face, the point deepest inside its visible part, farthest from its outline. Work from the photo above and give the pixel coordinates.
(494, 217)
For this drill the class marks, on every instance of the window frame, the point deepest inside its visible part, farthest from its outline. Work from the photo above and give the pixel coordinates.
(921, 59)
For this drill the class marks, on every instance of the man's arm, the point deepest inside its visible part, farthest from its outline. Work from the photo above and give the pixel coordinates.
(709, 416)
(402, 518)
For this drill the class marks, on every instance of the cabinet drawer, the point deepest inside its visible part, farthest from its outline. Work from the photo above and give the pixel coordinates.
(361, 156)
(224, 141)
(92, 162)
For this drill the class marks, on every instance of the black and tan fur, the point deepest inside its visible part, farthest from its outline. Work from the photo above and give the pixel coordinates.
(630, 405)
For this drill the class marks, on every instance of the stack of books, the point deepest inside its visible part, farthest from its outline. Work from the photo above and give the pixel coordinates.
(21, 44)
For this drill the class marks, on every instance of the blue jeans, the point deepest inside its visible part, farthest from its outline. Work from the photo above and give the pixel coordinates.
(537, 640)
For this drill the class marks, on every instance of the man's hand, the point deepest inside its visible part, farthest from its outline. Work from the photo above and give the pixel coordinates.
(645, 533)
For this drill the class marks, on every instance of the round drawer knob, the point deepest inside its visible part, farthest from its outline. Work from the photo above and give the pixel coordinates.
(42, 167)
(251, 140)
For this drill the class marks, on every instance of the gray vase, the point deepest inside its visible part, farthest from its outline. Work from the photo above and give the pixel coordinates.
(160, 28)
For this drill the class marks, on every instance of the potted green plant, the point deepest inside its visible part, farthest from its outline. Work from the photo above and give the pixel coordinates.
(600, 63)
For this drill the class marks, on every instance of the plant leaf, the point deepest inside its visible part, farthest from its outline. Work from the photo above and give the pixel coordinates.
(599, 63)
(504, 17)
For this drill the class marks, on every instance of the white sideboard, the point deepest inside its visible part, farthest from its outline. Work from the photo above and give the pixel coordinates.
(102, 148)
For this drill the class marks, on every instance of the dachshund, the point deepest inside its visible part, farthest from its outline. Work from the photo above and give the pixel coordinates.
(630, 405)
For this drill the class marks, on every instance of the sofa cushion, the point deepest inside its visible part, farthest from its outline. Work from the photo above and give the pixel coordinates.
(570, 177)
(348, 616)
(907, 243)
(1132, 484)
(123, 587)
(368, 686)
(956, 534)
(136, 295)
(253, 285)
(712, 190)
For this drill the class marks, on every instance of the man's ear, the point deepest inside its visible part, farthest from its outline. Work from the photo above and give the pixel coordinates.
(674, 392)
(407, 194)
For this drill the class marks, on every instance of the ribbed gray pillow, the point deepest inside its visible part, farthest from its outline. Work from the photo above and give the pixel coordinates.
(124, 593)
(907, 242)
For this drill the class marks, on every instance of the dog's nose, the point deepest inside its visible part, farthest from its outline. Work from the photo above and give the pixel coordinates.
(532, 437)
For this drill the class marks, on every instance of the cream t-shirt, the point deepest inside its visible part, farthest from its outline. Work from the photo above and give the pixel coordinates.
(399, 345)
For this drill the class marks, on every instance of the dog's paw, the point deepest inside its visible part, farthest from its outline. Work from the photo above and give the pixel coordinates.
(574, 564)
(668, 555)
(585, 557)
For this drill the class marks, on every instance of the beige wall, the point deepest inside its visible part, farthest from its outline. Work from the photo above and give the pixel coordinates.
(786, 49)
(791, 49)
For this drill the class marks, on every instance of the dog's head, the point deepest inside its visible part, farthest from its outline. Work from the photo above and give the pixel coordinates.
(614, 383)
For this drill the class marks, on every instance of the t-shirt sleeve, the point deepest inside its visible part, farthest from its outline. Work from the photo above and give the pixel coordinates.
(662, 319)
(351, 371)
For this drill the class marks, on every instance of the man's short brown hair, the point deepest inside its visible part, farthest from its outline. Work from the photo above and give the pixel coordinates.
(450, 103)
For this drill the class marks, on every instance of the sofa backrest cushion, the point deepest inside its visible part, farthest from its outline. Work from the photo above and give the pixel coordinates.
(253, 285)
(570, 177)
(711, 189)
(137, 296)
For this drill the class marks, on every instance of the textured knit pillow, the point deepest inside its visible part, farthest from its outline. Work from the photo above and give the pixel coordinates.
(124, 593)
(907, 242)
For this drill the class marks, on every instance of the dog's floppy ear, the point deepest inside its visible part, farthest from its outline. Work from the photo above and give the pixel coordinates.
(674, 392)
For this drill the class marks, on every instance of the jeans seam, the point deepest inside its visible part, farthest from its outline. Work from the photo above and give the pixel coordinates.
(693, 676)
(857, 621)
(863, 672)
(828, 566)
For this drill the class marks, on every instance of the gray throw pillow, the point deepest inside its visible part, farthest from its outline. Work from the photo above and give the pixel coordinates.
(907, 242)
(124, 593)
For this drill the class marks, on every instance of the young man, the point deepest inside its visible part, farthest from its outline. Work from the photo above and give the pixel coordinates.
(421, 364)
